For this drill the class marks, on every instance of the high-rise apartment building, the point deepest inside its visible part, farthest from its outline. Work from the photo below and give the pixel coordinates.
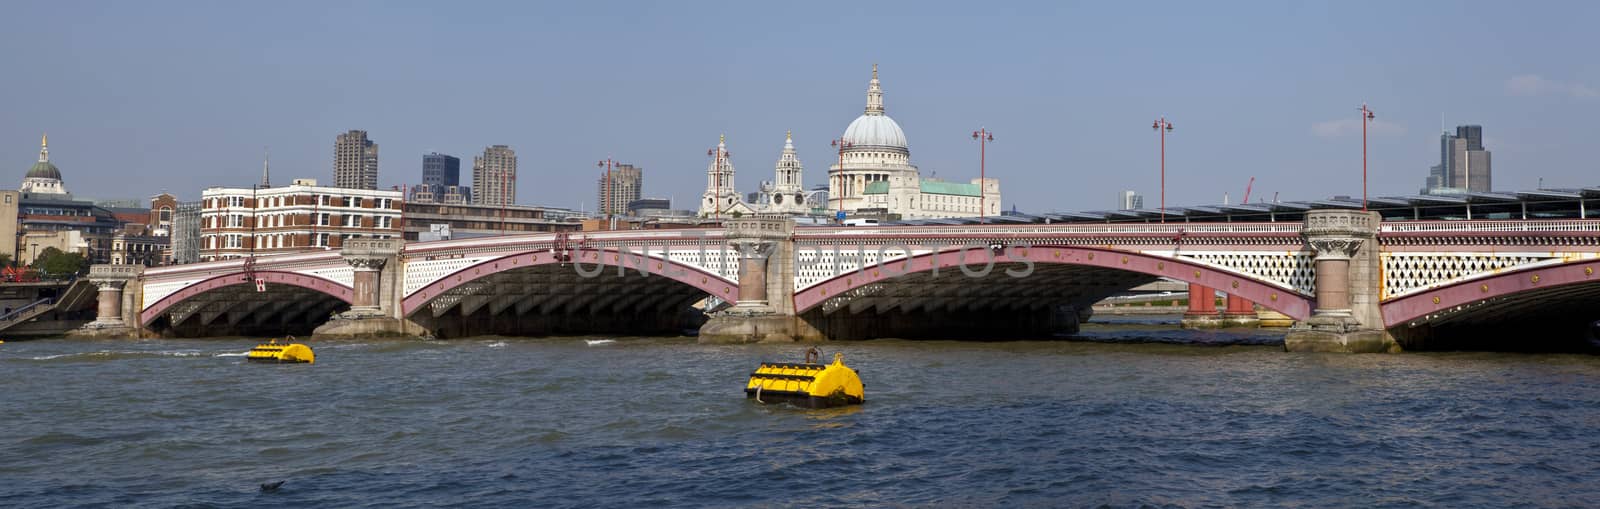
(1464, 165)
(494, 176)
(627, 182)
(1129, 200)
(355, 161)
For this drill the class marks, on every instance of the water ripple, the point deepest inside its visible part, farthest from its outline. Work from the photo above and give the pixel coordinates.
(1138, 416)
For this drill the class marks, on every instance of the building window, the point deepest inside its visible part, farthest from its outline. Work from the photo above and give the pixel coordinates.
(351, 201)
(352, 220)
(322, 219)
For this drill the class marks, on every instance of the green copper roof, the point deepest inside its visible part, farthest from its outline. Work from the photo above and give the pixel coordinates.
(951, 188)
(44, 170)
(879, 187)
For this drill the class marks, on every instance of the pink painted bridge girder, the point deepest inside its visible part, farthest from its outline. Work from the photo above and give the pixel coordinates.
(1400, 310)
(320, 284)
(707, 282)
(1269, 295)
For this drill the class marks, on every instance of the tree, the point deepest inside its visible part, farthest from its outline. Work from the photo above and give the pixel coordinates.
(6, 261)
(54, 262)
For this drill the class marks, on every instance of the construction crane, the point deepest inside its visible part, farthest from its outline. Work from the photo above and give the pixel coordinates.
(1247, 187)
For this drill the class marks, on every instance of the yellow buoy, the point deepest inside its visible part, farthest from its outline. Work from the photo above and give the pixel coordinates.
(809, 384)
(273, 351)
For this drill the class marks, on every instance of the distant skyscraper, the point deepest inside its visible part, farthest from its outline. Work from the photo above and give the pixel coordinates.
(1129, 200)
(441, 170)
(355, 161)
(1464, 165)
(494, 176)
(627, 182)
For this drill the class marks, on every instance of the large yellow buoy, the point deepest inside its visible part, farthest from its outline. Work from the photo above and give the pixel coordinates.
(808, 384)
(273, 351)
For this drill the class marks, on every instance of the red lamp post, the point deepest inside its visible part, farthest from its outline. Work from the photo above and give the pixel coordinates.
(984, 137)
(1162, 126)
(841, 144)
(1366, 117)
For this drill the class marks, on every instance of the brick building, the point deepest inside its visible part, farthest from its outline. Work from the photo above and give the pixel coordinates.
(238, 222)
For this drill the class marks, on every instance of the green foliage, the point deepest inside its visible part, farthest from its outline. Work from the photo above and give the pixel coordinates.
(738, 214)
(56, 263)
(6, 261)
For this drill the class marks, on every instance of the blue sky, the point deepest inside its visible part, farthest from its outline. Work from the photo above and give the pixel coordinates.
(141, 97)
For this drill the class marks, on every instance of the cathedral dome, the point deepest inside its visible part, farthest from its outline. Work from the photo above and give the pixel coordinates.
(44, 170)
(875, 131)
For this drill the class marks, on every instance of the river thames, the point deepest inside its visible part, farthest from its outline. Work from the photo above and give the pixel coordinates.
(1128, 415)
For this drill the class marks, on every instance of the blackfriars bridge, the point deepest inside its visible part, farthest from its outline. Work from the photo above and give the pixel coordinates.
(1350, 281)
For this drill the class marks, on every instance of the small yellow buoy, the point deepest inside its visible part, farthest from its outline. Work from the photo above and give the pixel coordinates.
(273, 351)
(809, 384)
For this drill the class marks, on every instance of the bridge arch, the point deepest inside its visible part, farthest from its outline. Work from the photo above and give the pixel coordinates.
(1544, 286)
(588, 259)
(1271, 296)
(317, 284)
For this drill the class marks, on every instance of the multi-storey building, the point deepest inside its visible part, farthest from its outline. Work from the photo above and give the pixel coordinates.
(162, 208)
(466, 220)
(494, 176)
(627, 183)
(355, 161)
(238, 222)
(185, 244)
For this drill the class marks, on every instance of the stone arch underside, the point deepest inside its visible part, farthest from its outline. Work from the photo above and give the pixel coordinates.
(593, 291)
(232, 304)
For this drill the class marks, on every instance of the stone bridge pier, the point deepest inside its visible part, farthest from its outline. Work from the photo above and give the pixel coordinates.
(1347, 316)
(116, 299)
(377, 280)
(765, 310)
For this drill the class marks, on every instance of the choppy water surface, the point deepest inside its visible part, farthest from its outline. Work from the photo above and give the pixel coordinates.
(1138, 415)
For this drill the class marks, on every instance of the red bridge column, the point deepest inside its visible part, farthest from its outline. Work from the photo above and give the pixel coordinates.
(1202, 312)
(1240, 313)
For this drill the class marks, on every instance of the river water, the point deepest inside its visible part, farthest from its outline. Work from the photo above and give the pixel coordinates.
(1128, 415)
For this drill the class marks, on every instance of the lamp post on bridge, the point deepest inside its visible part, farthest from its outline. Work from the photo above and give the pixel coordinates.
(840, 144)
(984, 137)
(1366, 117)
(1162, 127)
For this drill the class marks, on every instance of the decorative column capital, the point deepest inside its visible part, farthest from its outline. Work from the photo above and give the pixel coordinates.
(366, 264)
(752, 249)
(1335, 248)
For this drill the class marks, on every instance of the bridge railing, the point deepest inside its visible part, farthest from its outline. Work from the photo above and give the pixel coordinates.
(1491, 226)
(1062, 229)
(26, 312)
